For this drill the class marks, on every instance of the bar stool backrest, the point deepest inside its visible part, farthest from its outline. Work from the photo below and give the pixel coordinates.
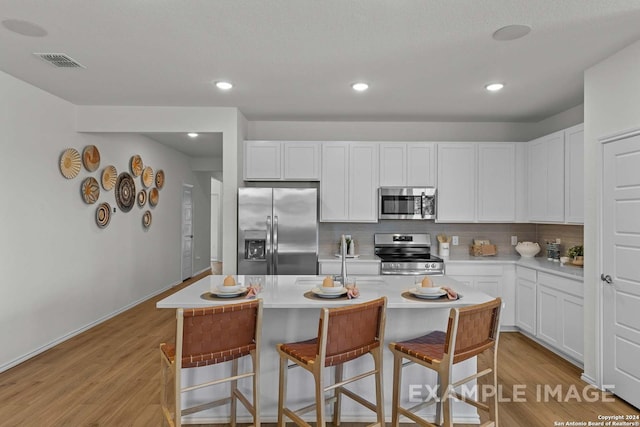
(346, 333)
(472, 329)
(218, 334)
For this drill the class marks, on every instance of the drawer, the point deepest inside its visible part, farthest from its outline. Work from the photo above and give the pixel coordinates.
(574, 287)
(473, 269)
(527, 274)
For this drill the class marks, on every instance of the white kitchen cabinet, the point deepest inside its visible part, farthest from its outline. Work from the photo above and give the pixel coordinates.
(496, 182)
(262, 160)
(546, 178)
(456, 194)
(526, 290)
(477, 182)
(561, 314)
(410, 164)
(281, 161)
(349, 182)
(494, 279)
(354, 267)
(574, 174)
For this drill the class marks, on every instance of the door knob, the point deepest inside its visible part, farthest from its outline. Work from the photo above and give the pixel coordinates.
(606, 278)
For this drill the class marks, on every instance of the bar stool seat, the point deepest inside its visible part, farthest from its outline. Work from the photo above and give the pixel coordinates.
(334, 347)
(209, 336)
(471, 331)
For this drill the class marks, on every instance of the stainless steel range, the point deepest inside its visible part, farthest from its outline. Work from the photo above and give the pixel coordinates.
(407, 254)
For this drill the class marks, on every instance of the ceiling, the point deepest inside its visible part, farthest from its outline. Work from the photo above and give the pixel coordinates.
(205, 145)
(296, 59)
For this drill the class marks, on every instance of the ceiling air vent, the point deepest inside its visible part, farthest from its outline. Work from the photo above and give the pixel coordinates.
(59, 60)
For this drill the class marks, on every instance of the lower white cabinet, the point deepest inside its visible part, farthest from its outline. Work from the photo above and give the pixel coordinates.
(356, 267)
(494, 279)
(561, 314)
(526, 299)
(550, 307)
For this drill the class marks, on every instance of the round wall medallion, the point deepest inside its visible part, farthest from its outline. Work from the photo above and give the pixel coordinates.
(147, 177)
(154, 195)
(90, 190)
(70, 163)
(142, 197)
(160, 179)
(136, 165)
(109, 177)
(125, 192)
(146, 219)
(103, 215)
(91, 158)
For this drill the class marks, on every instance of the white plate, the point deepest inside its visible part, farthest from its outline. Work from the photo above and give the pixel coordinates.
(434, 290)
(319, 292)
(236, 293)
(230, 289)
(414, 292)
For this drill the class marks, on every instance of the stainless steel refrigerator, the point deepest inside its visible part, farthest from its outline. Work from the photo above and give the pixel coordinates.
(277, 231)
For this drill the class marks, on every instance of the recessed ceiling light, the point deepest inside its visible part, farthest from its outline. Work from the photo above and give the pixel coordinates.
(511, 32)
(494, 87)
(24, 28)
(192, 135)
(224, 85)
(360, 87)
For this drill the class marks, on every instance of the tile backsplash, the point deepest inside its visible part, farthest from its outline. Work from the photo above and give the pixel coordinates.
(499, 234)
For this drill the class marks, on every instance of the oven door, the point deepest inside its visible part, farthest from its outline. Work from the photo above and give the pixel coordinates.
(407, 203)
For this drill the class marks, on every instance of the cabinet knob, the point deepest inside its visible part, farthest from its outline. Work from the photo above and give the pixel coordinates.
(606, 278)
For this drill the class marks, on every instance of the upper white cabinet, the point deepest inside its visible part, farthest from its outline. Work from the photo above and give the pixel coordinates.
(349, 182)
(476, 182)
(574, 174)
(281, 161)
(546, 178)
(497, 182)
(411, 164)
(456, 182)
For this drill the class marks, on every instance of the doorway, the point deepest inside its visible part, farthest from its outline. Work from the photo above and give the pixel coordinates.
(216, 226)
(187, 232)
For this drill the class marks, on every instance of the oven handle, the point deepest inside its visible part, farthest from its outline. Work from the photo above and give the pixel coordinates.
(412, 273)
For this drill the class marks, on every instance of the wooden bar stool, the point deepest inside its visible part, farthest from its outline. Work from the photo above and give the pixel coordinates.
(208, 336)
(471, 330)
(344, 334)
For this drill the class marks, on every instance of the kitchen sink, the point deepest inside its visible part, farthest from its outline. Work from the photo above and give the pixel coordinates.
(360, 281)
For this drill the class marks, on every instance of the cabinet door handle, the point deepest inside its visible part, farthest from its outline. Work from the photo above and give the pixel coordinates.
(606, 278)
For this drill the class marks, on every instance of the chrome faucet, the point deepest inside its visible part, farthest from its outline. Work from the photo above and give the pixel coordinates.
(343, 254)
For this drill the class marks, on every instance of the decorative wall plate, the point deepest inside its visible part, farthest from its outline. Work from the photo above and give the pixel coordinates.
(154, 195)
(90, 190)
(147, 177)
(146, 219)
(136, 165)
(103, 214)
(142, 197)
(91, 158)
(125, 192)
(160, 179)
(70, 163)
(109, 177)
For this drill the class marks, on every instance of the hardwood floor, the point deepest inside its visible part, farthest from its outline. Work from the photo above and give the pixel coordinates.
(109, 376)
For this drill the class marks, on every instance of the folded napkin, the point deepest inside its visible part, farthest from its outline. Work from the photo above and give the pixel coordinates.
(252, 292)
(352, 291)
(451, 294)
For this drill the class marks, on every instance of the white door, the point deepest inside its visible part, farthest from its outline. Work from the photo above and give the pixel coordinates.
(621, 267)
(187, 232)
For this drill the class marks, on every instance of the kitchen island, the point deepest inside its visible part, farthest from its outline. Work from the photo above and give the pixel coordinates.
(290, 316)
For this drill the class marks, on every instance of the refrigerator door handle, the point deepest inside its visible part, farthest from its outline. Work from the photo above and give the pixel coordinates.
(275, 244)
(268, 244)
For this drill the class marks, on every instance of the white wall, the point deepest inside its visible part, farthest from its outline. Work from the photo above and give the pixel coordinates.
(60, 272)
(611, 104)
(411, 131)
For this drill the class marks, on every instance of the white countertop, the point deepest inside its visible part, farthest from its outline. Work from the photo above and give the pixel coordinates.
(537, 263)
(288, 292)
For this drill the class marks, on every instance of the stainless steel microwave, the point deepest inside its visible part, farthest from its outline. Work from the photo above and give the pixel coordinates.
(407, 203)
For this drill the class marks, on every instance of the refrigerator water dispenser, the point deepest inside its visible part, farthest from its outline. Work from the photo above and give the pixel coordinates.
(255, 244)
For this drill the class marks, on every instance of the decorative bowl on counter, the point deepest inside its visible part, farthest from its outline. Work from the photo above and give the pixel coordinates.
(431, 290)
(337, 289)
(527, 249)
